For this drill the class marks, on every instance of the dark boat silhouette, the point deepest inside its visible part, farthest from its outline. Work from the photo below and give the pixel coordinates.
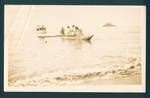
(69, 37)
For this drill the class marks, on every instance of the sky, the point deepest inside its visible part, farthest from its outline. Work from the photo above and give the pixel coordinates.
(89, 18)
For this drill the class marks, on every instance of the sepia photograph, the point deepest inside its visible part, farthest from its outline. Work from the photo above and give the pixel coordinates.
(74, 48)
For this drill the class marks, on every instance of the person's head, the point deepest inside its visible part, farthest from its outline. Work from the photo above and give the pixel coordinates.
(73, 26)
(76, 28)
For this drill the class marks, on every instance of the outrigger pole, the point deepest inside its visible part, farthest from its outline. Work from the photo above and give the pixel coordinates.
(46, 36)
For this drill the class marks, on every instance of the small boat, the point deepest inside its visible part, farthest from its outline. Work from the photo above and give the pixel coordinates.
(70, 37)
(41, 29)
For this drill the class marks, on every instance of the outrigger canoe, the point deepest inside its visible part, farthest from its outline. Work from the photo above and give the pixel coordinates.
(70, 37)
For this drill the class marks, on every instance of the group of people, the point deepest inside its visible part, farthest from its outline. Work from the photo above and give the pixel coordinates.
(73, 30)
(41, 29)
(70, 30)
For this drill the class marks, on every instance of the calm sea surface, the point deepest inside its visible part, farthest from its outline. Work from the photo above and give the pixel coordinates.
(57, 55)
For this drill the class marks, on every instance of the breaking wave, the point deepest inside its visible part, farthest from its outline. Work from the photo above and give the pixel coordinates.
(114, 67)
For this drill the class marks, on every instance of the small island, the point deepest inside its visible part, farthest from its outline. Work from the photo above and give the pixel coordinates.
(108, 24)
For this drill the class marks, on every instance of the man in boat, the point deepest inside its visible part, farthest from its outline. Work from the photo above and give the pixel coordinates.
(78, 31)
(38, 28)
(70, 30)
(73, 29)
(42, 28)
(62, 31)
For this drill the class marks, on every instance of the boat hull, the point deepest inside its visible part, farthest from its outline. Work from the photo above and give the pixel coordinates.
(88, 37)
(71, 37)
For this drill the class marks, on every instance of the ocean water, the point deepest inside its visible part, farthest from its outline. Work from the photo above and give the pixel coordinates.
(56, 61)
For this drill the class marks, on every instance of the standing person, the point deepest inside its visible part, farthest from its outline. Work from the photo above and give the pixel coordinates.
(78, 31)
(73, 30)
(38, 28)
(62, 31)
(43, 28)
(70, 30)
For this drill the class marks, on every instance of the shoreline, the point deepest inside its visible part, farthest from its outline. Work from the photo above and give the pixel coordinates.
(128, 80)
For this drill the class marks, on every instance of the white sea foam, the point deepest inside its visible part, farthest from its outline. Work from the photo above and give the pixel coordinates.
(78, 75)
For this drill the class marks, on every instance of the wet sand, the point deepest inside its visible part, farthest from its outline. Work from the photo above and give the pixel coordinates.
(133, 79)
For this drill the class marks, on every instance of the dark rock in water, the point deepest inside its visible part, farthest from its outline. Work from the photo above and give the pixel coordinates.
(46, 81)
(98, 73)
(131, 60)
(87, 75)
(59, 78)
(123, 73)
(78, 76)
(109, 25)
(132, 67)
(119, 70)
(106, 72)
(139, 64)
(113, 71)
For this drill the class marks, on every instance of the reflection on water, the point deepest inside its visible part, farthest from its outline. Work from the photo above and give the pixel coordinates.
(77, 44)
(56, 59)
(74, 43)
